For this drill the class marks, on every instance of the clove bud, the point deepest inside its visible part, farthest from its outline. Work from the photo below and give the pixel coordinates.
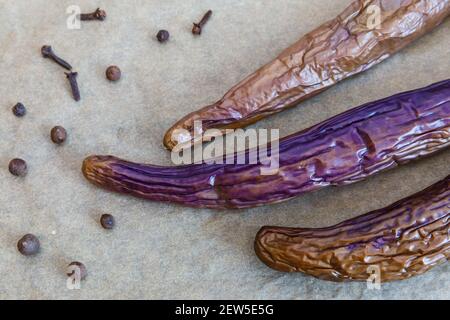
(72, 76)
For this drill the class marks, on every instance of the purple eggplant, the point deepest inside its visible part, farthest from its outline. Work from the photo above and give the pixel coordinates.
(341, 150)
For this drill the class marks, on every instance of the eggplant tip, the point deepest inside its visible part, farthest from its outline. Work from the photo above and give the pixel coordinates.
(88, 166)
(93, 165)
(168, 141)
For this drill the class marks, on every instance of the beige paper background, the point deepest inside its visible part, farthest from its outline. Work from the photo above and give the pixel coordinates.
(162, 251)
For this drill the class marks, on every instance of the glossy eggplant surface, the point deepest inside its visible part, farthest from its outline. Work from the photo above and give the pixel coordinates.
(341, 150)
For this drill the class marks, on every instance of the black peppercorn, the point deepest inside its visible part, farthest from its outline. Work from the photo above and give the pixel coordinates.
(107, 221)
(58, 135)
(163, 35)
(28, 245)
(19, 110)
(18, 167)
(71, 269)
(113, 73)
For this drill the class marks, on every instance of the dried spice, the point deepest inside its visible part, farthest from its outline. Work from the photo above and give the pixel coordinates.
(400, 241)
(341, 150)
(28, 245)
(113, 73)
(72, 77)
(340, 48)
(162, 35)
(47, 52)
(18, 167)
(58, 135)
(197, 29)
(107, 221)
(96, 15)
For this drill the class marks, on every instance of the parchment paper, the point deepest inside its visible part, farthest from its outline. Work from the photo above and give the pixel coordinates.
(162, 251)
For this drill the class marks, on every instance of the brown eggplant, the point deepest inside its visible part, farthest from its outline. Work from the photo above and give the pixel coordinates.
(353, 42)
(402, 240)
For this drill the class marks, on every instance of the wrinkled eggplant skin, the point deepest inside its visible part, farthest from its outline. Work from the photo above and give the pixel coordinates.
(403, 240)
(340, 48)
(341, 150)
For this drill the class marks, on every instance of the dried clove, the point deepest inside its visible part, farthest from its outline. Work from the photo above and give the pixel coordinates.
(107, 221)
(197, 29)
(18, 167)
(96, 15)
(72, 76)
(47, 52)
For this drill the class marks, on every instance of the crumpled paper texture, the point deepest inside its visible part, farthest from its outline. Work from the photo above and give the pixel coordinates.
(162, 251)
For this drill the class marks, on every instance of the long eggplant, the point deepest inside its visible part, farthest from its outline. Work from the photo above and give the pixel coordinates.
(363, 35)
(344, 149)
(402, 240)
